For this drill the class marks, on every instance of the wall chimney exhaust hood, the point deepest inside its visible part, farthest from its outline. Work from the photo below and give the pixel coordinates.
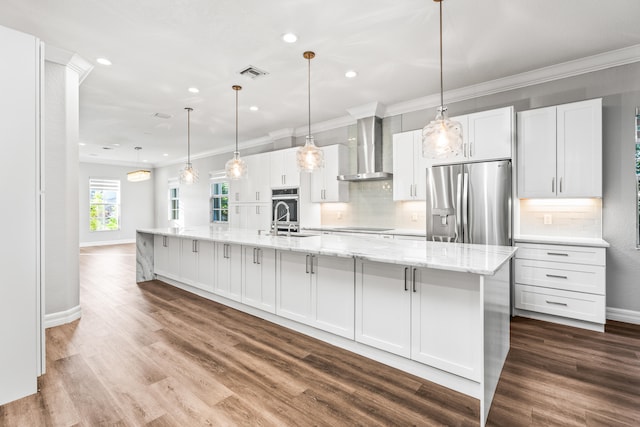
(369, 150)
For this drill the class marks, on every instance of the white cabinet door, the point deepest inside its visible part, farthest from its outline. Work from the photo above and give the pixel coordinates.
(294, 286)
(174, 254)
(579, 149)
(446, 324)
(383, 306)
(259, 278)
(489, 134)
(404, 183)
(160, 255)
(206, 265)
(284, 170)
(324, 185)
(228, 281)
(189, 261)
(537, 153)
(333, 294)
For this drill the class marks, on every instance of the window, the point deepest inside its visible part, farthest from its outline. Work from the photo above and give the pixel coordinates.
(174, 203)
(104, 204)
(219, 202)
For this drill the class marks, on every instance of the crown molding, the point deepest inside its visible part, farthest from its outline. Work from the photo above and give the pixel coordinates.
(281, 133)
(367, 110)
(69, 59)
(602, 61)
(326, 125)
(113, 162)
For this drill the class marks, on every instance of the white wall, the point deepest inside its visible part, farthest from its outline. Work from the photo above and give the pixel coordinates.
(136, 204)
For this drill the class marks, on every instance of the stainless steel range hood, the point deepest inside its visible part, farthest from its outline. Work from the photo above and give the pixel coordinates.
(369, 149)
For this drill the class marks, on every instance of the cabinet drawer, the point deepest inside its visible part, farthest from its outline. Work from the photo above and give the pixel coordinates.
(559, 275)
(561, 253)
(575, 305)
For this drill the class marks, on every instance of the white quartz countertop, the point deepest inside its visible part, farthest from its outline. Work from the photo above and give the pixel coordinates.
(366, 230)
(462, 257)
(562, 240)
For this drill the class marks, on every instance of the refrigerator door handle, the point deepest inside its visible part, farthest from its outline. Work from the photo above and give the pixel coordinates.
(465, 206)
(458, 232)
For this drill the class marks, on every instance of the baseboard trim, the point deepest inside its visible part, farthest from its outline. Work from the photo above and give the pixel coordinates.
(62, 317)
(622, 315)
(107, 242)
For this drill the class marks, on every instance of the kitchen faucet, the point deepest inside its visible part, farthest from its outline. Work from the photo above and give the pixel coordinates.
(286, 216)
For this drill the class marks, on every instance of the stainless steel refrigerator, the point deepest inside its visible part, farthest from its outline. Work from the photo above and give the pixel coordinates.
(470, 203)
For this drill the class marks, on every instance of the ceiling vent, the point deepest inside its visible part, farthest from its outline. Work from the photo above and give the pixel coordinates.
(162, 115)
(252, 72)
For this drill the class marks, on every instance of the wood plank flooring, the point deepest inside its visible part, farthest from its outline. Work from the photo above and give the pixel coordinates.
(151, 354)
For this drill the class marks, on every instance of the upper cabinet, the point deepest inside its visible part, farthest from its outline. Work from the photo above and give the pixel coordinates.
(486, 135)
(409, 176)
(324, 185)
(255, 186)
(284, 169)
(560, 151)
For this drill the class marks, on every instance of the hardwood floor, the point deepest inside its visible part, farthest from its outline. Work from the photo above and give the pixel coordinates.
(151, 354)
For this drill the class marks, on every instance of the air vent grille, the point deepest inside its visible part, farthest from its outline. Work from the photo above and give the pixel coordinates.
(253, 72)
(162, 115)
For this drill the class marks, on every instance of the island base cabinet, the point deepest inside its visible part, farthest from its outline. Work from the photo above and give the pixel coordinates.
(383, 306)
(228, 281)
(196, 265)
(166, 255)
(446, 321)
(259, 278)
(316, 290)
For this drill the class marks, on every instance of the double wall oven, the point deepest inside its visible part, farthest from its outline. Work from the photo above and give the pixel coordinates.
(285, 209)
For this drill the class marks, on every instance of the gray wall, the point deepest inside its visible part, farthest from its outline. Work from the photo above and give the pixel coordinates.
(620, 89)
(136, 203)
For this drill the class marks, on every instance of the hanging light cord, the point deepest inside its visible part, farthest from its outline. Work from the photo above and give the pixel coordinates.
(189, 134)
(441, 79)
(309, 89)
(236, 120)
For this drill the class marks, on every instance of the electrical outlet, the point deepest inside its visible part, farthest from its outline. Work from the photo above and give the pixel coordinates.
(548, 219)
(414, 217)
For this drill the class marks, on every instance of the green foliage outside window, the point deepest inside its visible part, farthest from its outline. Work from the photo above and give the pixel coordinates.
(104, 205)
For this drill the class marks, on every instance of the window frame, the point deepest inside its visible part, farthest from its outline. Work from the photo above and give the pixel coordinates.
(219, 181)
(104, 185)
(174, 209)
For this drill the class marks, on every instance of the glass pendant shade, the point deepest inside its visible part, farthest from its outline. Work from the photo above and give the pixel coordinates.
(188, 175)
(139, 175)
(235, 168)
(442, 137)
(309, 157)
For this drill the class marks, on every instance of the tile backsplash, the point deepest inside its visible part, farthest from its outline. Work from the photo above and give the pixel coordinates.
(560, 217)
(371, 205)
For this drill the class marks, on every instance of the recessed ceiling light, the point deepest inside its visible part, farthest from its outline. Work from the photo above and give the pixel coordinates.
(82, 144)
(289, 38)
(254, 108)
(116, 145)
(194, 90)
(103, 61)
(145, 161)
(350, 74)
(166, 154)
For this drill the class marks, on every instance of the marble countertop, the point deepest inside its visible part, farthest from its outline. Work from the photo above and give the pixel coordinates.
(462, 257)
(562, 240)
(392, 231)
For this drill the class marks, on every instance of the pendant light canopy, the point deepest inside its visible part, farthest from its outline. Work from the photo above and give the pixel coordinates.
(188, 175)
(236, 168)
(442, 137)
(309, 157)
(141, 174)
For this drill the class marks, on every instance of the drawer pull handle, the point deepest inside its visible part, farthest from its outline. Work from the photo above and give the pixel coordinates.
(557, 254)
(557, 303)
(557, 276)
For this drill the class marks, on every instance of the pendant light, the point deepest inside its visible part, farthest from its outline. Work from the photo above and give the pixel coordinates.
(442, 137)
(236, 168)
(188, 175)
(141, 174)
(309, 157)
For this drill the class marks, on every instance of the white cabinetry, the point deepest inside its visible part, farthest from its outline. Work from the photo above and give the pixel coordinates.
(259, 278)
(21, 303)
(487, 135)
(431, 316)
(197, 263)
(255, 186)
(409, 176)
(250, 216)
(560, 151)
(561, 280)
(166, 254)
(284, 169)
(316, 290)
(324, 185)
(228, 281)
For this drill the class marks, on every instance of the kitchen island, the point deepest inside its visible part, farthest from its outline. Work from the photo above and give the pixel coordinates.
(437, 310)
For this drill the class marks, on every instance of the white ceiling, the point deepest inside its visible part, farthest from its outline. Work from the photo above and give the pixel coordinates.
(159, 48)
